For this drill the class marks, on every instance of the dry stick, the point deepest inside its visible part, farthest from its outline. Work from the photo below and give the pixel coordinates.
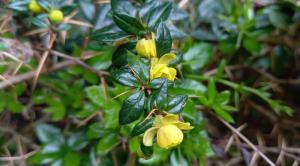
(23, 77)
(231, 139)
(43, 60)
(81, 123)
(247, 141)
(17, 158)
(78, 61)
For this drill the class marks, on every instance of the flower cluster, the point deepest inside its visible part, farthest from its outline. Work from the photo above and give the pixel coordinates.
(54, 15)
(167, 128)
(146, 48)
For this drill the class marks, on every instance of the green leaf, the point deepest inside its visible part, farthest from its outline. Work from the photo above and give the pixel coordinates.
(71, 159)
(223, 114)
(140, 66)
(211, 91)
(142, 126)
(251, 45)
(147, 151)
(198, 56)
(47, 133)
(223, 97)
(119, 58)
(111, 114)
(14, 106)
(157, 83)
(176, 104)
(163, 39)
(161, 96)
(107, 143)
(57, 110)
(132, 108)
(108, 36)
(278, 18)
(125, 77)
(95, 94)
(20, 6)
(96, 130)
(128, 23)
(158, 14)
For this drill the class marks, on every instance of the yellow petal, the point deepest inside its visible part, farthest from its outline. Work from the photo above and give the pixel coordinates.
(167, 58)
(183, 126)
(149, 135)
(165, 120)
(154, 61)
(169, 136)
(172, 74)
(157, 70)
(146, 48)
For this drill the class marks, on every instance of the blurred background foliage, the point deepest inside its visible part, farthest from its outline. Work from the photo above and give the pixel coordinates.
(239, 63)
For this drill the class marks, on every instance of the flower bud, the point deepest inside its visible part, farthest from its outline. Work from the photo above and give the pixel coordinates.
(35, 7)
(146, 48)
(169, 136)
(56, 16)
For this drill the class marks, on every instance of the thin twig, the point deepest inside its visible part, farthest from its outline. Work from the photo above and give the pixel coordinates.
(43, 60)
(247, 141)
(17, 158)
(23, 77)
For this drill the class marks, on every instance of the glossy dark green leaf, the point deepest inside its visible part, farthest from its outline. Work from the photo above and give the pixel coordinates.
(119, 58)
(163, 39)
(158, 14)
(20, 6)
(176, 104)
(128, 23)
(140, 66)
(157, 83)
(45, 4)
(108, 36)
(161, 96)
(147, 151)
(132, 108)
(142, 126)
(125, 77)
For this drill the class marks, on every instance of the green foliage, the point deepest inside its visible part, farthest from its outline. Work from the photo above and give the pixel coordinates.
(94, 98)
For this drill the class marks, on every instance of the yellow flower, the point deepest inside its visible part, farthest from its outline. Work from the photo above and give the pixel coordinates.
(168, 129)
(146, 47)
(35, 7)
(56, 16)
(159, 67)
